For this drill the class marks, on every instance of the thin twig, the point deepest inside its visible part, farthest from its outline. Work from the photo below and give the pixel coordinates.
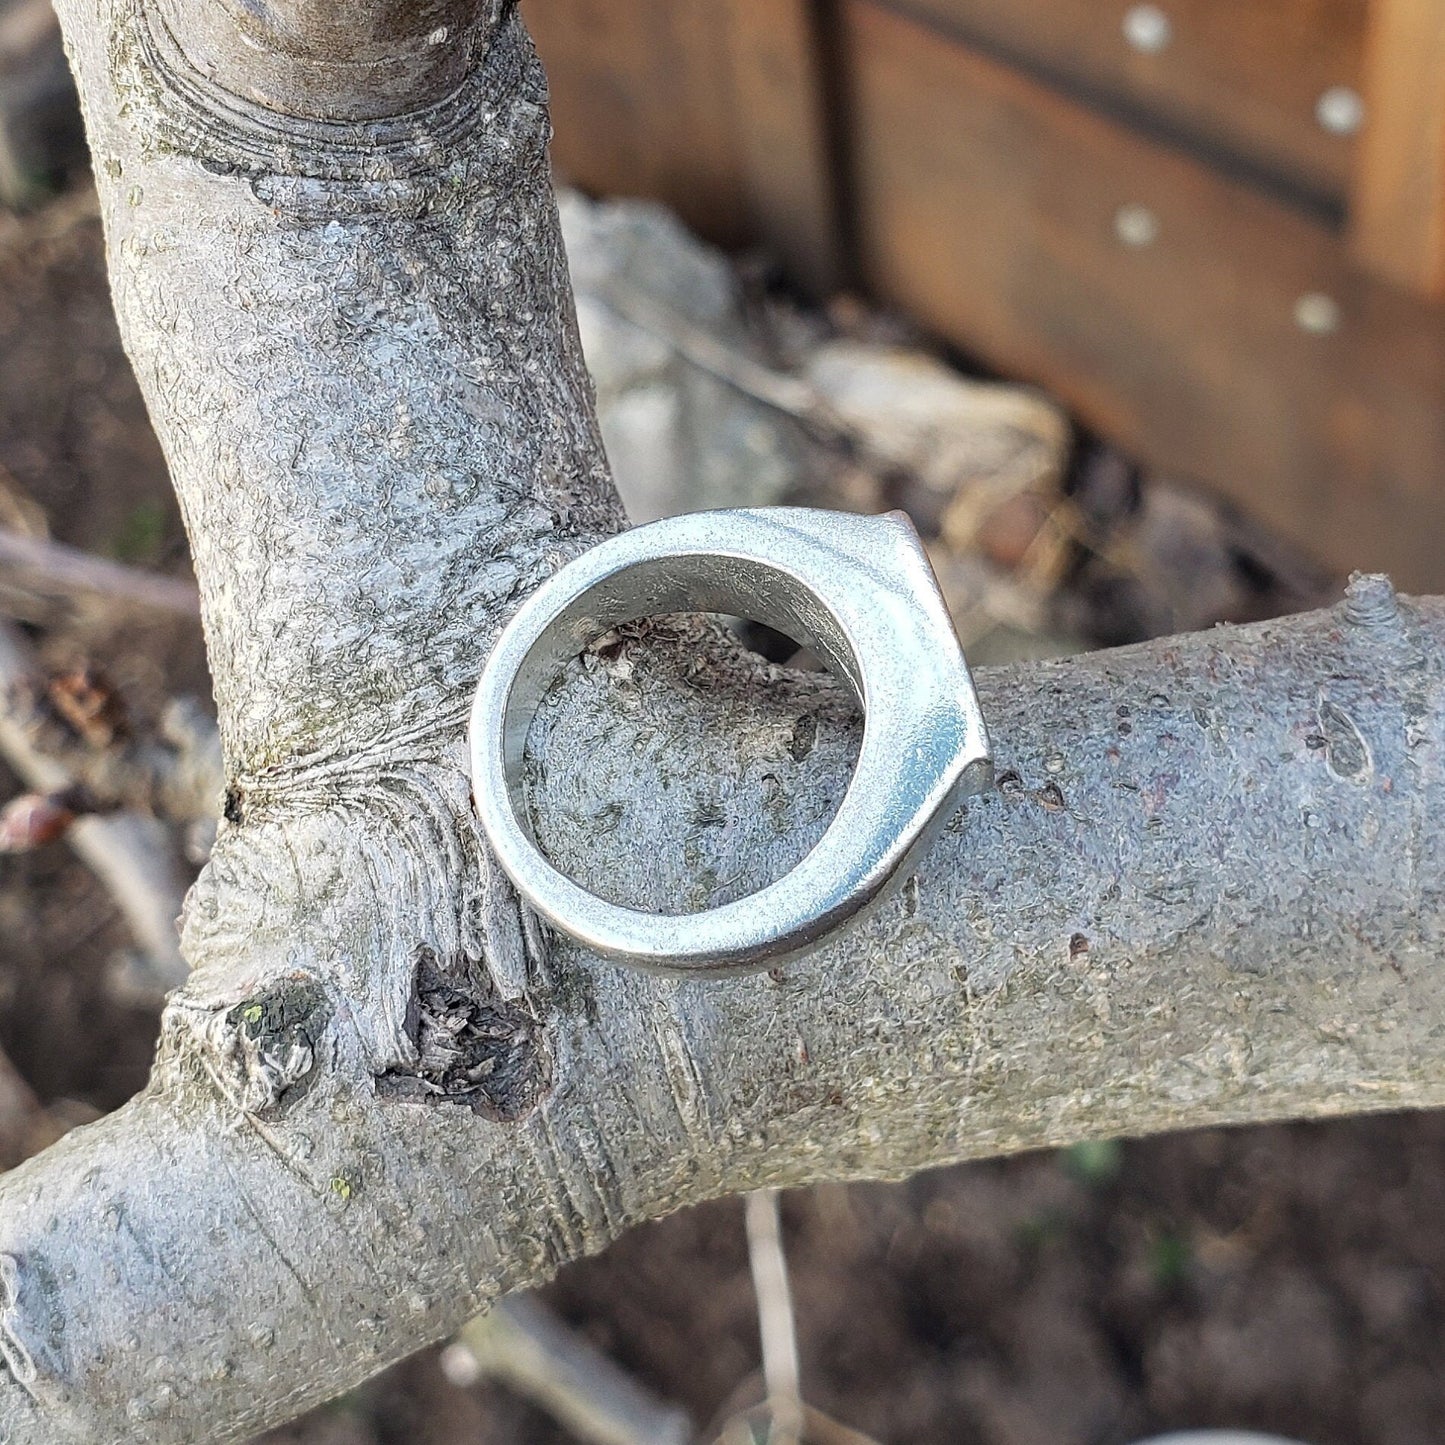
(776, 1323)
(818, 1429)
(179, 777)
(812, 409)
(522, 1344)
(51, 568)
(791, 395)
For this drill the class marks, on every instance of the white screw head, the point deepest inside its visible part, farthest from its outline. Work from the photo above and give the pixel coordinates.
(1340, 110)
(1317, 313)
(1147, 28)
(1136, 226)
(460, 1366)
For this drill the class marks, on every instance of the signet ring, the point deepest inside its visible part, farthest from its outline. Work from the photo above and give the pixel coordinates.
(857, 590)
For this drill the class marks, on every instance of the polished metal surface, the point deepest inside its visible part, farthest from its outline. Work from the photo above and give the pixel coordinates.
(860, 592)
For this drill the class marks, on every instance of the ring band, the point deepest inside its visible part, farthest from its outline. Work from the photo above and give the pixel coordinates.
(860, 591)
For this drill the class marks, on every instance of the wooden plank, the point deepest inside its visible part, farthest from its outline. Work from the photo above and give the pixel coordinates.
(718, 110)
(643, 104)
(1397, 219)
(990, 208)
(782, 115)
(1242, 77)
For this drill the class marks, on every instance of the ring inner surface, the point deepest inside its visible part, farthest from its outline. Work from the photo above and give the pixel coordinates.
(741, 587)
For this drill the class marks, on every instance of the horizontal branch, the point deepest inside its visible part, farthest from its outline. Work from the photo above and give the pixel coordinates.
(1207, 891)
(55, 570)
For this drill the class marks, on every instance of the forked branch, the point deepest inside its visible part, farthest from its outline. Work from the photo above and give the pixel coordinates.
(1207, 889)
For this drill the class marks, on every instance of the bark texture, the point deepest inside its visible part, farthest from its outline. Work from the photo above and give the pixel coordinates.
(1206, 890)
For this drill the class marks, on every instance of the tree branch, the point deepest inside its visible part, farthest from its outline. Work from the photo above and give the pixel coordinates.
(523, 1345)
(331, 59)
(55, 570)
(1207, 890)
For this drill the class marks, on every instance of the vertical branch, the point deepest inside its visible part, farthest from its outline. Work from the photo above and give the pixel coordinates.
(775, 1317)
(356, 340)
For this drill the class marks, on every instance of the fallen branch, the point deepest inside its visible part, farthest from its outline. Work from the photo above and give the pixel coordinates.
(177, 777)
(793, 396)
(899, 452)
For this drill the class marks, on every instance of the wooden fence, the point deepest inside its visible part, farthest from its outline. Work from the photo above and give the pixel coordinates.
(1214, 228)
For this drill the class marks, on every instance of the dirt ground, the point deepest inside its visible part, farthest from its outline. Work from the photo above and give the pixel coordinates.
(1288, 1279)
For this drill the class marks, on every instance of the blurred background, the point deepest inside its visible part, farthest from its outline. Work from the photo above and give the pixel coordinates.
(1136, 309)
(1213, 229)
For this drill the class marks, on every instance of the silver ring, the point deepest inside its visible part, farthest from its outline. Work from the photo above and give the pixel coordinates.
(859, 591)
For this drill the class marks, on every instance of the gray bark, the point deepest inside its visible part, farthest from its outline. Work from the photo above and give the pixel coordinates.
(1207, 889)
